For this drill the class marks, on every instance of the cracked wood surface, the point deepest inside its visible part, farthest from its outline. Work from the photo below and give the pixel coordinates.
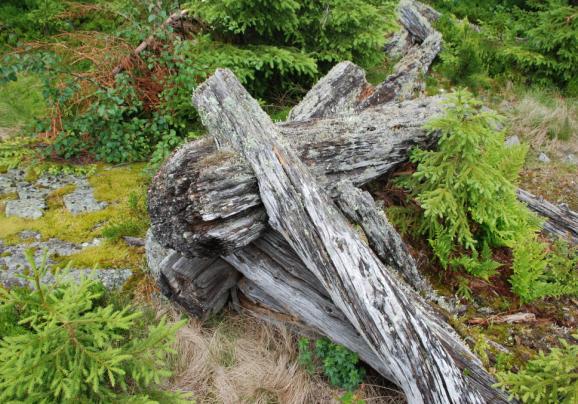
(357, 282)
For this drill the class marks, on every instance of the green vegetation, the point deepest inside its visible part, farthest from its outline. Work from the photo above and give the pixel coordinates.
(467, 195)
(338, 364)
(549, 378)
(64, 343)
(533, 42)
(466, 187)
(61, 107)
(538, 273)
(277, 49)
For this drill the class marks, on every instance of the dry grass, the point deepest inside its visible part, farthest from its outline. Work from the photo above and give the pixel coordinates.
(239, 359)
(549, 124)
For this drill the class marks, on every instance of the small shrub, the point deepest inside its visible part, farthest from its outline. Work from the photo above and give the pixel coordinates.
(462, 57)
(466, 187)
(68, 345)
(339, 364)
(549, 378)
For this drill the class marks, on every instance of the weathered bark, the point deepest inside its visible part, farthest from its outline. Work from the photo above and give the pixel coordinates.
(407, 79)
(205, 201)
(302, 304)
(338, 91)
(357, 282)
(359, 207)
(200, 285)
(561, 221)
(345, 90)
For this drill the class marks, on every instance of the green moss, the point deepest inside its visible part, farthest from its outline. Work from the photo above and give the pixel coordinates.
(377, 73)
(21, 102)
(106, 255)
(115, 185)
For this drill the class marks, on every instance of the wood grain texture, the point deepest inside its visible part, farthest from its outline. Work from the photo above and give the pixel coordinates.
(302, 303)
(407, 80)
(561, 221)
(205, 201)
(340, 90)
(359, 207)
(355, 279)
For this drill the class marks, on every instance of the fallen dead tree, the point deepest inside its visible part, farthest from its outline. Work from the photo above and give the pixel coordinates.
(358, 283)
(266, 211)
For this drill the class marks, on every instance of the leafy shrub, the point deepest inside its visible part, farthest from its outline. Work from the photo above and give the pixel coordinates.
(549, 378)
(62, 343)
(466, 187)
(13, 152)
(339, 364)
(276, 48)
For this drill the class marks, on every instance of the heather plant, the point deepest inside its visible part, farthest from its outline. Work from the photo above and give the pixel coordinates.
(64, 343)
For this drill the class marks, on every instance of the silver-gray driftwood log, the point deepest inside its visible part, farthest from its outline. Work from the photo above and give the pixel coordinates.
(355, 279)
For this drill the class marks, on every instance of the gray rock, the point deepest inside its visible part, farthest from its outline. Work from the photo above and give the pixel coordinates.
(13, 263)
(82, 199)
(110, 278)
(512, 141)
(7, 185)
(543, 158)
(28, 234)
(155, 254)
(26, 208)
(571, 159)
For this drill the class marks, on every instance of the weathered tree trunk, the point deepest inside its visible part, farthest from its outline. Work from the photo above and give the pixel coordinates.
(205, 201)
(561, 221)
(305, 303)
(202, 286)
(357, 282)
(406, 81)
(360, 208)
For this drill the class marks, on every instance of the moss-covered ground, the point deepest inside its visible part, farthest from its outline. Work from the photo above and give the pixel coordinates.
(123, 188)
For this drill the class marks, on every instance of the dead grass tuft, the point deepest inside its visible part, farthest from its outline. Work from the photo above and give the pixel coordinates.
(239, 359)
(550, 124)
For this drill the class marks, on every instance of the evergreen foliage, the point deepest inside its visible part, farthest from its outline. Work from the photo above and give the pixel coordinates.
(539, 273)
(466, 187)
(549, 378)
(276, 48)
(466, 191)
(534, 42)
(62, 343)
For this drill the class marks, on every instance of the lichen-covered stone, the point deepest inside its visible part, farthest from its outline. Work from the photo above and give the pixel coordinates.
(82, 199)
